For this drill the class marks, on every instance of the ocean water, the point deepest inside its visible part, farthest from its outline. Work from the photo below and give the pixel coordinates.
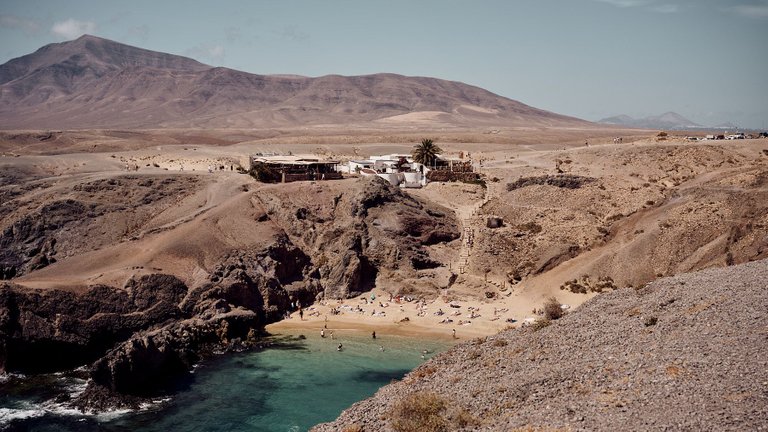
(290, 386)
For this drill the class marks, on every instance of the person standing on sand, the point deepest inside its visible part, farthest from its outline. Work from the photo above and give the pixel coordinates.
(301, 313)
(373, 335)
(454, 333)
(322, 333)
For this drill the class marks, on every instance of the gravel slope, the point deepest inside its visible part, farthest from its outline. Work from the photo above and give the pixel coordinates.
(688, 352)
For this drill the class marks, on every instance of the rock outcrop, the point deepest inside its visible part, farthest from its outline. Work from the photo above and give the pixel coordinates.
(368, 234)
(140, 339)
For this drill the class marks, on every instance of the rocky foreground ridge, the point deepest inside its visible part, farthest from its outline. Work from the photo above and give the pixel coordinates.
(688, 352)
(296, 242)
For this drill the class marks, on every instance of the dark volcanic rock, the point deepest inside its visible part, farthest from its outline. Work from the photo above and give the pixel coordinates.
(146, 336)
(372, 230)
(78, 328)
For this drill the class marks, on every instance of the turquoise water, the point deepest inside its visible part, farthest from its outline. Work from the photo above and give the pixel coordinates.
(290, 386)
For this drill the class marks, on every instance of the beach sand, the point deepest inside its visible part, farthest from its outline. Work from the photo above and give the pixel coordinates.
(472, 318)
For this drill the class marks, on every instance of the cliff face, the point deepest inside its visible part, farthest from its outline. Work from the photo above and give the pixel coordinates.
(369, 234)
(141, 338)
(682, 353)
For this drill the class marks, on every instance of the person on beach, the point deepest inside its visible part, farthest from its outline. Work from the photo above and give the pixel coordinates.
(322, 333)
(454, 333)
(332, 336)
(301, 313)
(373, 335)
(338, 348)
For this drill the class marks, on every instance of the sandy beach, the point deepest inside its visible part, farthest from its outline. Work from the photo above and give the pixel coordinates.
(436, 318)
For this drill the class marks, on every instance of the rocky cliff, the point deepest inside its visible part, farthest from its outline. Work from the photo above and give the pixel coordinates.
(366, 235)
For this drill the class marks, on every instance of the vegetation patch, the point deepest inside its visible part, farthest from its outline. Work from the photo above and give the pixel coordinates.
(565, 181)
(540, 324)
(552, 309)
(421, 411)
(586, 285)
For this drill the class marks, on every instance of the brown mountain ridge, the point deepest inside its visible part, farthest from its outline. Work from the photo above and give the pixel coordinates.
(93, 82)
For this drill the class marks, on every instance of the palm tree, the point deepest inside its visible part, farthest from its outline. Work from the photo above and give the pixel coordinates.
(426, 152)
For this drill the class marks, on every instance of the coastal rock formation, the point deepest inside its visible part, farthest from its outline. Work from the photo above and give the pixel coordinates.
(683, 353)
(242, 269)
(143, 336)
(368, 233)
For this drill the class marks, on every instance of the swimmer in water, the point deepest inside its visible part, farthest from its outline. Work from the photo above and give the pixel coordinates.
(338, 348)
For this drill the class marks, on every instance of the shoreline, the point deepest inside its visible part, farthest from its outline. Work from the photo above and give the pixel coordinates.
(469, 318)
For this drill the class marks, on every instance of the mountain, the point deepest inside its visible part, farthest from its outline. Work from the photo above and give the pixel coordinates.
(97, 83)
(668, 120)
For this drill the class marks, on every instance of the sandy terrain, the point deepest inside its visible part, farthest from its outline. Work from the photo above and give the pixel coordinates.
(682, 206)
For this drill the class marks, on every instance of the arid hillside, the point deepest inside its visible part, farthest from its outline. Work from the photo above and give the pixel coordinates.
(682, 353)
(96, 83)
(630, 213)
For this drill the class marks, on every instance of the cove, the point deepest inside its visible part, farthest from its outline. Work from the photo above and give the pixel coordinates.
(292, 385)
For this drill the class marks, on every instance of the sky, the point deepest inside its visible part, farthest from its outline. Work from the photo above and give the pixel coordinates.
(704, 59)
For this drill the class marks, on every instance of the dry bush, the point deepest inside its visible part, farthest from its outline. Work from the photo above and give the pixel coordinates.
(419, 412)
(552, 309)
(463, 418)
(540, 324)
(499, 343)
(423, 371)
(531, 227)
(565, 181)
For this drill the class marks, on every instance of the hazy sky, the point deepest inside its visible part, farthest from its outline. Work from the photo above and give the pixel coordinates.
(705, 59)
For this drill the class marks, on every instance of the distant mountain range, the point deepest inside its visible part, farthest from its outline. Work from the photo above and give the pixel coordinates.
(97, 83)
(669, 120)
